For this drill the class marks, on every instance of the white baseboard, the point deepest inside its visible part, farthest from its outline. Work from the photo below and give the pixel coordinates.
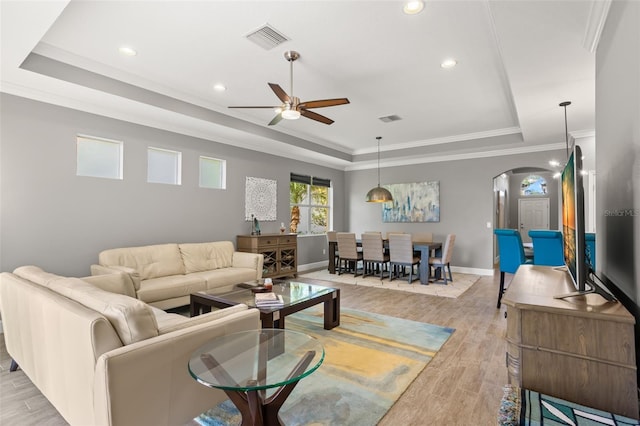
(463, 270)
(475, 271)
(312, 266)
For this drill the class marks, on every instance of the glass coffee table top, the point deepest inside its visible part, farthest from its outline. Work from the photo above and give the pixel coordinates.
(255, 360)
(292, 292)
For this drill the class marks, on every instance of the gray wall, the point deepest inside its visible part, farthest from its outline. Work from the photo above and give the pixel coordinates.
(466, 201)
(618, 148)
(54, 219)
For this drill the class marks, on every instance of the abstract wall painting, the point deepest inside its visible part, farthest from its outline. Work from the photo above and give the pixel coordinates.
(260, 199)
(413, 202)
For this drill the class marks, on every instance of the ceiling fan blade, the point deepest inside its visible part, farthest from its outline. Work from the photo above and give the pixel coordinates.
(272, 107)
(281, 94)
(315, 116)
(324, 103)
(276, 119)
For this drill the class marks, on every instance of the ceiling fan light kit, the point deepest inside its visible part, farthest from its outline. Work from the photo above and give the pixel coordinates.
(291, 107)
(379, 194)
(290, 114)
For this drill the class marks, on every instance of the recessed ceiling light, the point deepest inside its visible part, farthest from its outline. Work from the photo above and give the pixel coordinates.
(219, 87)
(413, 7)
(127, 51)
(554, 163)
(449, 63)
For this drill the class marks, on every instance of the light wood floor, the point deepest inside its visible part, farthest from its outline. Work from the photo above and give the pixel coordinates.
(462, 385)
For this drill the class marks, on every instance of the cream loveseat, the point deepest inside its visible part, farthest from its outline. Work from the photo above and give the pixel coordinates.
(164, 275)
(107, 359)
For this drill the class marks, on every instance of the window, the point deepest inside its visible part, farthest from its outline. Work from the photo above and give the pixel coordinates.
(98, 157)
(212, 173)
(533, 185)
(164, 166)
(310, 199)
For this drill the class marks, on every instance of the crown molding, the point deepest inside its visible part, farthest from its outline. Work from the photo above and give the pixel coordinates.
(595, 24)
(444, 140)
(455, 157)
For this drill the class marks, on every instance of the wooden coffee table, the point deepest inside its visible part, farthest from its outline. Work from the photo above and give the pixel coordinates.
(296, 296)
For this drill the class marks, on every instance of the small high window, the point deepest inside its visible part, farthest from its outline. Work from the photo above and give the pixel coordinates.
(97, 157)
(164, 166)
(212, 173)
(533, 185)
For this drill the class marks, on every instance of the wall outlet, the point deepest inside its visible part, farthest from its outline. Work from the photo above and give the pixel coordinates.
(489, 225)
(324, 251)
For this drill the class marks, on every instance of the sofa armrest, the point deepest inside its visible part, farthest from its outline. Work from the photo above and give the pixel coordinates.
(148, 382)
(248, 260)
(101, 269)
(118, 282)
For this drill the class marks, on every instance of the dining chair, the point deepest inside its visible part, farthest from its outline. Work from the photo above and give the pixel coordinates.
(548, 249)
(511, 252)
(423, 237)
(386, 237)
(401, 256)
(444, 260)
(332, 238)
(373, 254)
(349, 254)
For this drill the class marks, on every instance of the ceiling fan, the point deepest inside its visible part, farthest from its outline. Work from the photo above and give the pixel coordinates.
(291, 107)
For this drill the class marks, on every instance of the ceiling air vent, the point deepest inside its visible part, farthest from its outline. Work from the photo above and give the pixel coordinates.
(267, 37)
(389, 118)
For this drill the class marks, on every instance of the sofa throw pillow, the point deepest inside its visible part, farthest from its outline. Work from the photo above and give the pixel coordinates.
(198, 257)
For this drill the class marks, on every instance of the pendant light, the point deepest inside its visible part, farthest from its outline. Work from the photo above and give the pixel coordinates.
(379, 194)
(566, 131)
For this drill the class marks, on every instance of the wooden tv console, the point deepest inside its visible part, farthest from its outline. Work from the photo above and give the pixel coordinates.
(580, 349)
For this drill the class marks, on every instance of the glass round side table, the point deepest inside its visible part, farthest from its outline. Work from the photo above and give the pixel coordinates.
(257, 369)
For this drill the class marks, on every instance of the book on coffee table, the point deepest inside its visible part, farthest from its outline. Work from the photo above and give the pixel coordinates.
(270, 300)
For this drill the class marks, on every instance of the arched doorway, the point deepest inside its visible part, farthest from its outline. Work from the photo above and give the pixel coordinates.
(528, 184)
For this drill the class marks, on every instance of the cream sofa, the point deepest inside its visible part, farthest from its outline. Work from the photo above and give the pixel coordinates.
(107, 359)
(164, 275)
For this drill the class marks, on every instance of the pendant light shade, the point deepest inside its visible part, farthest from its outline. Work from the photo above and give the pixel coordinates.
(379, 194)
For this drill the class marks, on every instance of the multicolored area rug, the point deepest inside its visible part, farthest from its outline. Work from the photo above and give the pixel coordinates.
(369, 361)
(523, 407)
(460, 284)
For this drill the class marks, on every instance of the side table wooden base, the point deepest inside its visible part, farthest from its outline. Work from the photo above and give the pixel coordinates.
(256, 410)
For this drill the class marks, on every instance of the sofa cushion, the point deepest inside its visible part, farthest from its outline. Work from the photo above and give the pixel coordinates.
(132, 319)
(36, 274)
(154, 261)
(199, 257)
(226, 276)
(165, 288)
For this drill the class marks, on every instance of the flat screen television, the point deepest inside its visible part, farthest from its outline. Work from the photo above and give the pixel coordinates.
(573, 229)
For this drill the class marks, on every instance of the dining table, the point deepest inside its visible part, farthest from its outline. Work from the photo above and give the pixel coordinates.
(424, 247)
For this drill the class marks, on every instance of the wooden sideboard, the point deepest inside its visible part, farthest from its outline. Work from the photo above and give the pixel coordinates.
(280, 252)
(580, 349)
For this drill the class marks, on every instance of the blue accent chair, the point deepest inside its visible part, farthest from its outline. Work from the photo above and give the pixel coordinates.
(548, 249)
(590, 249)
(511, 253)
